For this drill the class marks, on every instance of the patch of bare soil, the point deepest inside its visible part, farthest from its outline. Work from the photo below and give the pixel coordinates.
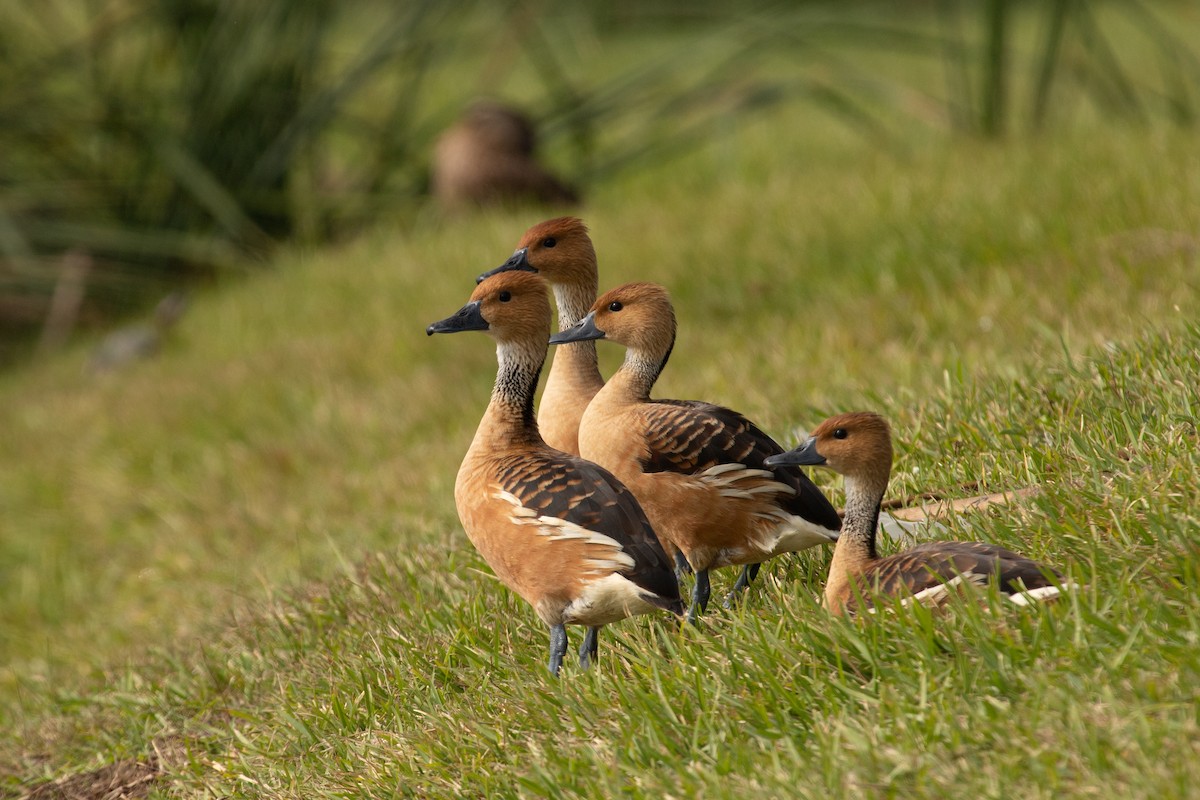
(122, 780)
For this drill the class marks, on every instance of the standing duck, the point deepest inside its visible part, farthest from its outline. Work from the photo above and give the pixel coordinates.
(698, 469)
(561, 251)
(559, 531)
(859, 446)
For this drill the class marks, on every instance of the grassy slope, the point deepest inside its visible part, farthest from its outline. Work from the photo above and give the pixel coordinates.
(1018, 311)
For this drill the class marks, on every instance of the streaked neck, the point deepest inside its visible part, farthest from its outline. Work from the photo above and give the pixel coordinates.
(863, 501)
(509, 417)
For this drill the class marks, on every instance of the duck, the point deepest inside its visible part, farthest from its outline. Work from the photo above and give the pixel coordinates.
(488, 157)
(561, 251)
(699, 469)
(858, 446)
(560, 531)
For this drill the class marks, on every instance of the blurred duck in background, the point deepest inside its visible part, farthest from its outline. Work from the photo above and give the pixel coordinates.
(488, 158)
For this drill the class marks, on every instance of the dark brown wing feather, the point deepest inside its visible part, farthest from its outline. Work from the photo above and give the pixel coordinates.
(689, 436)
(576, 490)
(929, 564)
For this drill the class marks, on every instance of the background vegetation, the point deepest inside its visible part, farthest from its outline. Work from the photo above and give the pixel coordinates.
(149, 143)
(239, 564)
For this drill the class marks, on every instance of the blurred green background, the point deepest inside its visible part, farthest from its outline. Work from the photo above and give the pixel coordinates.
(240, 563)
(146, 144)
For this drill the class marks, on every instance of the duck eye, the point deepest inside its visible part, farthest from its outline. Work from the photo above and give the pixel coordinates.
(840, 433)
(615, 305)
(549, 241)
(505, 296)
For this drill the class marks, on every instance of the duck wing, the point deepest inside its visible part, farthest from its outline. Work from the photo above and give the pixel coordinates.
(934, 563)
(559, 485)
(690, 436)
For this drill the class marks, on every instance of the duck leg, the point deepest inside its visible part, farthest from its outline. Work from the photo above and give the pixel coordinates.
(682, 567)
(558, 647)
(700, 595)
(590, 647)
(749, 573)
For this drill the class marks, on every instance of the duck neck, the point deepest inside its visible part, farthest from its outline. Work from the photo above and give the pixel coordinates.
(638, 373)
(856, 543)
(575, 364)
(509, 417)
(574, 300)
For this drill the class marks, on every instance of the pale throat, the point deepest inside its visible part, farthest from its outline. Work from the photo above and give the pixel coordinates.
(575, 363)
(574, 301)
(637, 375)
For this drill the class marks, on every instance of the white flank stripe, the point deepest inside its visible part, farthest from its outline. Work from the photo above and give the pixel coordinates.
(619, 561)
(727, 478)
(742, 472)
(936, 596)
(557, 529)
(507, 497)
(721, 469)
(1041, 594)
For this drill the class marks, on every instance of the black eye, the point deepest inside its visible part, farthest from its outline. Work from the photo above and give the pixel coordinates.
(615, 305)
(549, 241)
(840, 433)
(505, 296)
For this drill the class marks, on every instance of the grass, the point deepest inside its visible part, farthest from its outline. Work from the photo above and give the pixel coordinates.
(244, 554)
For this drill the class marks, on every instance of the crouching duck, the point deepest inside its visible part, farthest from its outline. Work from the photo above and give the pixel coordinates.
(698, 469)
(859, 446)
(561, 532)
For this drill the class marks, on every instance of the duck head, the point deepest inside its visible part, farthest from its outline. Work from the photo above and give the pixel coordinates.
(857, 445)
(636, 315)
(510, 306)
(559, 250)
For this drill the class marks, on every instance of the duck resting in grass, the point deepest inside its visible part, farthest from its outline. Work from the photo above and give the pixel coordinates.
(561, 532)
(698, 469)
(859, 447)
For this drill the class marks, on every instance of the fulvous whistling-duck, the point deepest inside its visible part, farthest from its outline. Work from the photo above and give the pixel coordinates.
(560, 531)
(859, 446)
(561, 251)
(698, 469)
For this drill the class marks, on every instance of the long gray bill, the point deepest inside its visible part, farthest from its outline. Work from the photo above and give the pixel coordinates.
(467, 318)
(518, 260)
(805, 455)
(582, 331)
